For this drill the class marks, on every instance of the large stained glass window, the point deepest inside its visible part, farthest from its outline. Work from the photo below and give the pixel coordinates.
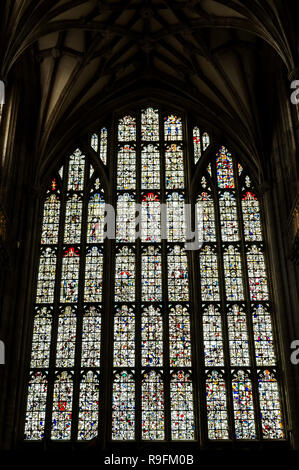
(143, 336)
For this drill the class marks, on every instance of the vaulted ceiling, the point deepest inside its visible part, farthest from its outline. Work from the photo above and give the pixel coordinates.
(213, 53)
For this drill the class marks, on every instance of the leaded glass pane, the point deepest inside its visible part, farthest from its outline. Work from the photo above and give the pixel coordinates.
(88, 406)
(271, 415)
(243, 406)
(62, 407)
(216, 406)
(182, 415)
(152, 406)
(152, 337)
(123, 407)
(36, 406)
(212, 336)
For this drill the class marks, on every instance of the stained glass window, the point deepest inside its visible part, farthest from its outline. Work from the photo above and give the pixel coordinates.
(154, 300)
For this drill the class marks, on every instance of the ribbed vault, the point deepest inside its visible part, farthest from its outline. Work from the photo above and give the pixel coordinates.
(210, 53)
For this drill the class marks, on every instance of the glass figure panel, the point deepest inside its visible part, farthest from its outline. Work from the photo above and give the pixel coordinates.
(216, 406)
(173, 128)
(174, 167)
(125, 275)
(243, 406)
(50, 224)
(228, 217)
(127, 129)
(73, 215)
(263, 336)
(212, 336)
(205, 211)
(251, 217)
(76, 171)
(175, 204)
(150, 218)
(66, 338)
(93, 275)
(271, 415)
(69, 276)
(205, 140)
(152, 406)
(151, 337)
(150, 124)
(178, 289)
(209, 274)
(46, 276)
(94, 142)
(62, 406)
(225, 171)
(150, 167)
(126, 167)
(258, 285)
(124, 337)
(96, 218)
(233, 273)
(238, 337)
(125, 218)
(103, 145)
(182, 414)
(123, 407)
(88, 406)
(41, 338)
(151, 275)
(91, 337)
(36, 406)
(196, 144)
(179, 336)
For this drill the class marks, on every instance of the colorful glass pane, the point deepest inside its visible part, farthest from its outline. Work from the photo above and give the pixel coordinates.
(123, 407)
(93, 275)
(151, 337)
(50, 224)
(150, 124)
(196, 144)
(271, 415)
(177, 274)
(88, 406)
(212, 336)
(151, 275)
(152, 406)
(126, 167)
(251, 217)
(174, 167)
(209, 274)
(62, 407)
(91, 337)
(258, 285)
(263, 336)
(124, 337)
(150, 167)
(179, 336)
(225, 171)
(96, 218)
(127, 129)
(125, 275)
(66, 338)
(76, 171)
(125, 218)
(243, 406)
(233, 273)
(36, 406)
(182, 414)
(173, 128)
(216, 406)
(73, 216)
(228, 217)
(46, 276)
(103, 145)
(69, 276)
(238, 337)
(41, 338)
(175, 204)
